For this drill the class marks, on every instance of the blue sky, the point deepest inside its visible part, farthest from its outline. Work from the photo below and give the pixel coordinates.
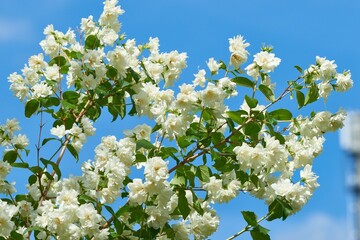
(299, 31)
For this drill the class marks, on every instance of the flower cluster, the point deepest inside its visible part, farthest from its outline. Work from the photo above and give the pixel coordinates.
(161, 181)
(324, 71)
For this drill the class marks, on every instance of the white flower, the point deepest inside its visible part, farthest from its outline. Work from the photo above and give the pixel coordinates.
(4, 169)
(94, 58)
(108, 36)
(181, 230)
(88, 216)
(200, 78)
(325, 89)
(327, 68)
(53, 73)
(204, 225)
(156, 169)
(176, 125)
(67, 197)
(153, 45)
(322, 121)
(343, 82)
(6, 213)
(186, 99)
(283, 187)
(37, 62)
(31, 76)
(11, 126)
(88, 25)
(142, 131)
(87, 126)
(50, 46)
(137, 193)
(337, 120)
(213, 65)
(253, 70)
(119, 59)
(41, 90)
(58, 131)
(309, 177)
(237, 46)
(20, 141)
(267, 61)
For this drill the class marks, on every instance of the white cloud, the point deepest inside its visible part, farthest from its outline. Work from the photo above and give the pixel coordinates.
(317, 226)
(14, 30)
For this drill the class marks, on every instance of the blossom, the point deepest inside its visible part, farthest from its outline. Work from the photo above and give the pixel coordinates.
(142, 131)
(200, 78)
(156, 169)
(58, 131)
(6, 213)
(325, 89)
(239, 54)
(213, 65)
(4, 169)
(343, 82)
(137, 193)
(309, 177)
(204, 225)
(20, 141)
(327, 68)
(267, 61)
(37, 62)
(41, 90)
(53, 73)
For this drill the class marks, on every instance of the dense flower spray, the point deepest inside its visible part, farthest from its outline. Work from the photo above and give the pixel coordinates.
(161, 181)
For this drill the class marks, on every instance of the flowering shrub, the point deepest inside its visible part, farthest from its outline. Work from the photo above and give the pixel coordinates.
(196, 141)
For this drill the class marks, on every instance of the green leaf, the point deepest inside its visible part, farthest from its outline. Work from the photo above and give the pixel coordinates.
(252, 129)
(20, 197)
(179, 180)
(53, 165)
(59, 60)
(299, 69)
(71, 96)
(184, 141)
(243, 81)
(31, 107)
(20, 165)
(312, 94)
(143, 143)
(183, 204)
(92, 42)
(86, 199)
(111, 72)
(203, 172)
(300, 98)
(32, 179)
(155, 128)
(279, 209)
(256, 234)
(16, 235)
(251, 102)
(281, 114)
(267, 92)
(73, 151)
(250, 218)
(51, 101)
(117, 223)
(47, 140)
(236, 116)
(140, 158)
(10, 156)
